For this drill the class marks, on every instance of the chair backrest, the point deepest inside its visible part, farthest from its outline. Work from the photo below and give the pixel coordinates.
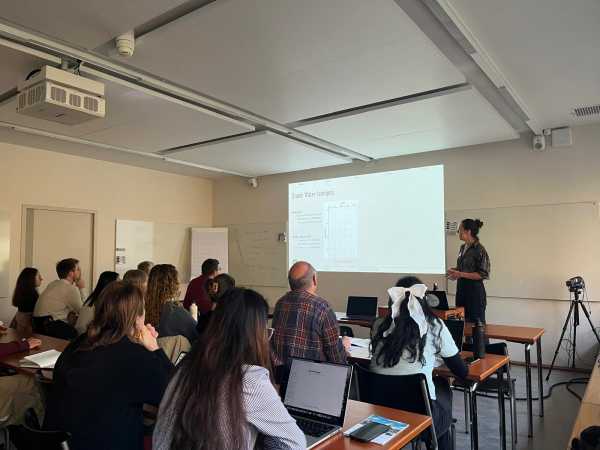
(37, 439)
(346, 331)
(498, 348)
(407, 392)
(173, 346)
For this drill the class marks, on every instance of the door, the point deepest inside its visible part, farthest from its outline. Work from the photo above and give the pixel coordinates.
(54, 234)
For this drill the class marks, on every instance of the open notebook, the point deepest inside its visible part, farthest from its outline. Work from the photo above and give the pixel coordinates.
(42, 360)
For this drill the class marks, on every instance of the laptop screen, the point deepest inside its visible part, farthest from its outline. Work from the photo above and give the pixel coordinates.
(318, 390)
(457, 330)
(361, 306)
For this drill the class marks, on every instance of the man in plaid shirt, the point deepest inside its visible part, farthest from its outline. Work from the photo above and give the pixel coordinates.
(304, 323)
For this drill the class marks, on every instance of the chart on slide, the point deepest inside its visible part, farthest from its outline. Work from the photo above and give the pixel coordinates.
(340, 230)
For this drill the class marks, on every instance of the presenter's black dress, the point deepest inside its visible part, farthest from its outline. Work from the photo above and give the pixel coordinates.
(471, 293)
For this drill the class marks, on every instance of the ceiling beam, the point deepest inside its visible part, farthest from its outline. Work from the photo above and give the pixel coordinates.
(433, 28)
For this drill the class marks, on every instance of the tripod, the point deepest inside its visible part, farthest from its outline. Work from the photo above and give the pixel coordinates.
(576, 303)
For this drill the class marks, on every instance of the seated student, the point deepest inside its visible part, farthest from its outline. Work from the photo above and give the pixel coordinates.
(86, 313)
(138, 278)
(145, 266)
(409, 340)
(304, 323)
(217, 288)
(163, 309)
(103, 378)
(56, 310)
(196, 290)
(25, 297)
(221, 396)
(19, 392)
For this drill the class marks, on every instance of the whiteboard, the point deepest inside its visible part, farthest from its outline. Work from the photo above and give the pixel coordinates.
(134, 244)
(257, 255)
(534, 249)
(209, 243)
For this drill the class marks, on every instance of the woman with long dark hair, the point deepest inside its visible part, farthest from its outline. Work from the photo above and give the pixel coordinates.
(24, 298)
(163, 308)
(222, 396)
(103, 378)
(472, 267)
(86, 313)
(409, 341)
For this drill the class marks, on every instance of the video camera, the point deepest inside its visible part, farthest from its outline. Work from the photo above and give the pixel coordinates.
(575, 284)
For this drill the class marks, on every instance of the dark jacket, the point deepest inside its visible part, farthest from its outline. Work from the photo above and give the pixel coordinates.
(176, 321)
(97, 395)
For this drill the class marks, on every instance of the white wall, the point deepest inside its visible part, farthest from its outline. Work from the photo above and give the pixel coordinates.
(43, 178)
(491, 175)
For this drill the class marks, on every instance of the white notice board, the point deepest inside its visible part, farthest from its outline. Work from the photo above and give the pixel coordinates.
(209, 243)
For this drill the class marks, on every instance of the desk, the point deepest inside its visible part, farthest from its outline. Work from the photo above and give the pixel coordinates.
(357, 411)
(526, 336)
(444, 314)
(589, 411)
(478, 372)
(48, 343)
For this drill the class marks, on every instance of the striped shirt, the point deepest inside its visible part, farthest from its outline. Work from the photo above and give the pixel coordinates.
(266, 417)
(305, 327)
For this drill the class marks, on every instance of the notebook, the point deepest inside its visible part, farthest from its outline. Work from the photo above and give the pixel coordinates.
(315, 395)
(42, 360)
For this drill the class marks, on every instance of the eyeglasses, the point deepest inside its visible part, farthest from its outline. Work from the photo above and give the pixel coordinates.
(270, 332)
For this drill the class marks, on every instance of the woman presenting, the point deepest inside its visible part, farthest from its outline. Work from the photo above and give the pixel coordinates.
(472, 267)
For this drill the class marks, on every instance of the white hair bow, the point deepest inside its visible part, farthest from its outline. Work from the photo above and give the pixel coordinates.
(398, 294)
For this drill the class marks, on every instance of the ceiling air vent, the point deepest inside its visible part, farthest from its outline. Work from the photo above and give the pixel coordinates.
(586, 111)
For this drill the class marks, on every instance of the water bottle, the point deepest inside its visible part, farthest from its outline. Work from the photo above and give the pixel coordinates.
(479, 339)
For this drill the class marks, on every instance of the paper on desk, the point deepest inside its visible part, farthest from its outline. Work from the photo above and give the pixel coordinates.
(360, 342)
(44, 360)
(360, 352)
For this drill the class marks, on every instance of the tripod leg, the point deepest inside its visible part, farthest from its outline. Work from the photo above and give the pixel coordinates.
(562, 335)
(575, 325)
(587, 314)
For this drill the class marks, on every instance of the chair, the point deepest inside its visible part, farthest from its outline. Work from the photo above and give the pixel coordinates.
(173, 346)
(490, 385)
(34, 438)
(407, 392)
(345, 330)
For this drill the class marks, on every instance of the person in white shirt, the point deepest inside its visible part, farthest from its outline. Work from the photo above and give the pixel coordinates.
(86, 313)
(411, 340)
(57, 308)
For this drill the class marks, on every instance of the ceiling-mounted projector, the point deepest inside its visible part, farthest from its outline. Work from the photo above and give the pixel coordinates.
(60, 96)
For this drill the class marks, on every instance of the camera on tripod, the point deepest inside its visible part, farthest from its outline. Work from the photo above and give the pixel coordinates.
(575, 284)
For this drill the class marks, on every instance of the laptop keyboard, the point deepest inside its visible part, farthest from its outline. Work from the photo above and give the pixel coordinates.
(313, 428)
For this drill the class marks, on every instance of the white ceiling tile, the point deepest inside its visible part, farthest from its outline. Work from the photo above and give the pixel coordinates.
(289, 60)
(546, 49)
(83, 23)
(458, 119)
(260, 154)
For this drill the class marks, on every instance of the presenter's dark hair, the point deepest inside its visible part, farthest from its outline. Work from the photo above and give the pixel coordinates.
(65, 266)
(25, 290)
(104, 280)
(210, 266)
(405, 336)
(235, 338)
(472, 225)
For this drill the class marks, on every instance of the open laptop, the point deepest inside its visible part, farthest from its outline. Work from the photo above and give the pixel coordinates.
(437, 300)
(361, 308)
(315, 395)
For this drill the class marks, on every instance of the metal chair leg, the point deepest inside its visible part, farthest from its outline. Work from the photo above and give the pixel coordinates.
(514, 403)
(467, 403)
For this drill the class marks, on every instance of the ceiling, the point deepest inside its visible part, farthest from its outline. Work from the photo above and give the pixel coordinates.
(346, 77)
(546, 50)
